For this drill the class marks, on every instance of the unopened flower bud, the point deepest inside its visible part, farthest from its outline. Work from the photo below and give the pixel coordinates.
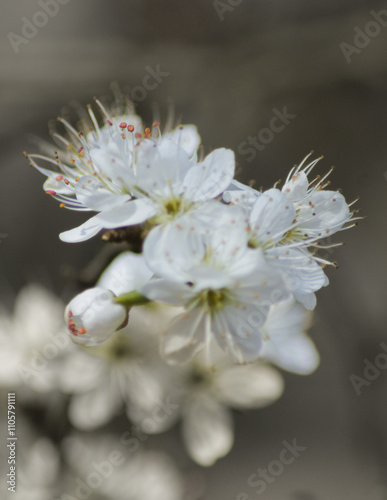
(93, 316)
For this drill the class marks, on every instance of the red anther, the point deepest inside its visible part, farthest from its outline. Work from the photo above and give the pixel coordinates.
(138, 136)
(80, 134)
(109, 123)
(147, 133)
(80, 150)
(123, 125)
(62, 205)
(155, 124)
(66, 182)
(59, 178)
(76, 179)
(130, 128)
(72, 162)
(50, 191)
(123, 136)
(82, 330)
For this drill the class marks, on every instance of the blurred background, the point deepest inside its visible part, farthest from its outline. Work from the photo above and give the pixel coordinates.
(228, 67)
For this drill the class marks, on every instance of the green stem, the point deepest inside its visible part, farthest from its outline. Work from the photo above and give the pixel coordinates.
(132, 299)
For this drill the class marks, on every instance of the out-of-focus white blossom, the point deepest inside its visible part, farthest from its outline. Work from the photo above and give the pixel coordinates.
(32, 340)
(209, 394)
(104, 466)
(124, 372)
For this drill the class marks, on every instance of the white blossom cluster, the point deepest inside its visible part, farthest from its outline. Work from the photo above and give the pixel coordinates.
(126, 376)
(221, 253)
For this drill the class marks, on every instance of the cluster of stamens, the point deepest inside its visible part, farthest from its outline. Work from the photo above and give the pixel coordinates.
(73, 327)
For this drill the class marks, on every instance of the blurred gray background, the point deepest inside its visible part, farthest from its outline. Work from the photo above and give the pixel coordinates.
(226, 69)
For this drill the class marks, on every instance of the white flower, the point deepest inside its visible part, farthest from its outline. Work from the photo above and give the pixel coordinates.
(209, 396)
(130, 177)
(319, 212)
(225, 287)
(164, 183)
(32, 340)
(286, 342)
(288, 223)
(272, 224)
(93, 316)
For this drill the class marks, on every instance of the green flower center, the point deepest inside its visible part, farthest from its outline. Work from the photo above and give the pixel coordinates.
(173, 206)
(211, 300)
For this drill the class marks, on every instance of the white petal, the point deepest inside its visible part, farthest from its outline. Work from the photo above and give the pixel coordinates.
(148, 399)
(96, 407)
(210, 178)
(83, 232)
(127, 272)
(295, 353)
(287, 317)
(244, 197)
(251, 386)
(81, 372)
(187, 137)
(170, 250)
(304, 276)
(52, 184)
(161, 167)
(325, 213)
(237, 333)
(207, 429)
(296, 189)
(93, 194)
(287, 345)
(271, 216)
(308, 300)
(169, 292)
(185, 337)
(130, 213)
